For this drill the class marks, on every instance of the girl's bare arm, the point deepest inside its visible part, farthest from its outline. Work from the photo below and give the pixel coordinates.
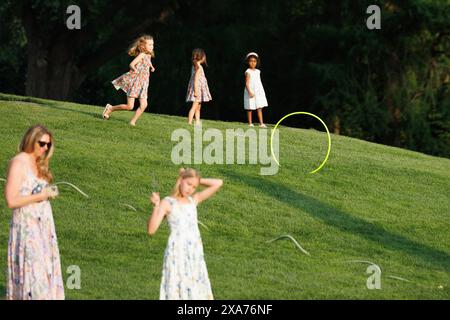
(160, 210)
(247, 85)
(212, 186)
(14, 199)
(196, 80)
(152, 68)
(136, 61)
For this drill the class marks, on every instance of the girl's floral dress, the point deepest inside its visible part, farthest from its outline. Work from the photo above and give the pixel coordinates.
(184, 275)
(205, 95)
(135, 84)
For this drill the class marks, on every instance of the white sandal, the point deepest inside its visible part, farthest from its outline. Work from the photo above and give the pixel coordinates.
(107, 108)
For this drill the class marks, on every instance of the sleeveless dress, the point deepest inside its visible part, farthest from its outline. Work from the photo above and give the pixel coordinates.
(34, 268)
(184, 274)
(259, 100)
(205, 95)
(135, 84)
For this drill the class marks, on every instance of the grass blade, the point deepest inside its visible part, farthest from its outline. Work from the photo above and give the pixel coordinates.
(154, 183)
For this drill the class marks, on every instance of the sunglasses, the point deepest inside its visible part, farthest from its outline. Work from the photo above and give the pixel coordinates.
(43, 143)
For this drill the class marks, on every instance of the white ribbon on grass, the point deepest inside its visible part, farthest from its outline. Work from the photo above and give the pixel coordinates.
(398, 278)
(379, 269)
(73, 186)
(293, 240)
(129, 206)
(202, 224)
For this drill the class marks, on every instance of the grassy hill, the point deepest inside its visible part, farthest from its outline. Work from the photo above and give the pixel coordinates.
(369, 202)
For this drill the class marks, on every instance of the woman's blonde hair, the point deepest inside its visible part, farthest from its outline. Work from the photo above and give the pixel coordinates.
(28, 143)
(138, 46)
(184, 173)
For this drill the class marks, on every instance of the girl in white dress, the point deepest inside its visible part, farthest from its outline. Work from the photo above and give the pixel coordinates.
(254, 95)
(184, 275)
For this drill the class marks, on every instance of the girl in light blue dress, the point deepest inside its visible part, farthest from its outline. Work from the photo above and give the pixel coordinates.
(184, 274)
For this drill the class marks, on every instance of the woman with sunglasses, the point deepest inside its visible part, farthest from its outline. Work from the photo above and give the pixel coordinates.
(34, 268)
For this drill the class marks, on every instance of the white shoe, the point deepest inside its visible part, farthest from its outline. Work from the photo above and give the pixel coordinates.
(107, 108)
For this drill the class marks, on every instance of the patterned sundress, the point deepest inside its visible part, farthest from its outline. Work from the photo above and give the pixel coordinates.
(34, 267)
(184, 275)
(205, 95)
(135, 84)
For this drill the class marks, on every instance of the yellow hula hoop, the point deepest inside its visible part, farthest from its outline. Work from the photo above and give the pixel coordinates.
(309, 114)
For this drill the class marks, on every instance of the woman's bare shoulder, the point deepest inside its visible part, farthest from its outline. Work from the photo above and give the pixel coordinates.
(19, 159)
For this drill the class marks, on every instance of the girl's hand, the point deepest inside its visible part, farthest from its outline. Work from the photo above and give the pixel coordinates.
(152, 69)
(155, 199)
(196, 93)
(251, 95)
(50, 192)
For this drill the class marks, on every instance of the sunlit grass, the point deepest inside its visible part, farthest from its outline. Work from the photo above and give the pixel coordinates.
(370, 202)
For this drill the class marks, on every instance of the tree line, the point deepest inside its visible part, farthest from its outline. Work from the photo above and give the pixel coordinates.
(388, 86)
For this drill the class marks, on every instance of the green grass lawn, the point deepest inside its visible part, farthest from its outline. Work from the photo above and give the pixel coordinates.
(369, 202)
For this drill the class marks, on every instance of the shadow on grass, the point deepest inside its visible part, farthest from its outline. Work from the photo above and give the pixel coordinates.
(55, 105)
(48, 104)
(2, 292)
(344, 221)
(98, 115)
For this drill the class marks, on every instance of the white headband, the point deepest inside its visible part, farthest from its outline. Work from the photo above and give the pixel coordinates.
(252, 54)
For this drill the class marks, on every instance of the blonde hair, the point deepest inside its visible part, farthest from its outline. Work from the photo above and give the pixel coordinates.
(184, 174)
(138, 46)
(197, 55)
(28, 143)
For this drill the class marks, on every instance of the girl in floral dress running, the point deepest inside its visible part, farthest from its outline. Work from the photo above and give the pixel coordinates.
(135, 82)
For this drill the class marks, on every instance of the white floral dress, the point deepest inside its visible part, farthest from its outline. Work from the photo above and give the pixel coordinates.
(184, 275)
(34, 268)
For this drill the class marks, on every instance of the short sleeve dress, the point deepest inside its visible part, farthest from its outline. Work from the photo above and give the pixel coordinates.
(135, 84)
(259, 100)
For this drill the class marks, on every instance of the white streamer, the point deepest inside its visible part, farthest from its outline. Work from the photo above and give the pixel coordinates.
(295, 242)
(73, 186)
(129, 206)
(203, 225)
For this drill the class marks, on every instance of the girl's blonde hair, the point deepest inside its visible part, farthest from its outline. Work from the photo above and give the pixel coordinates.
(184, 173)
(138, 46)
(198, 54)
(28, 143)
